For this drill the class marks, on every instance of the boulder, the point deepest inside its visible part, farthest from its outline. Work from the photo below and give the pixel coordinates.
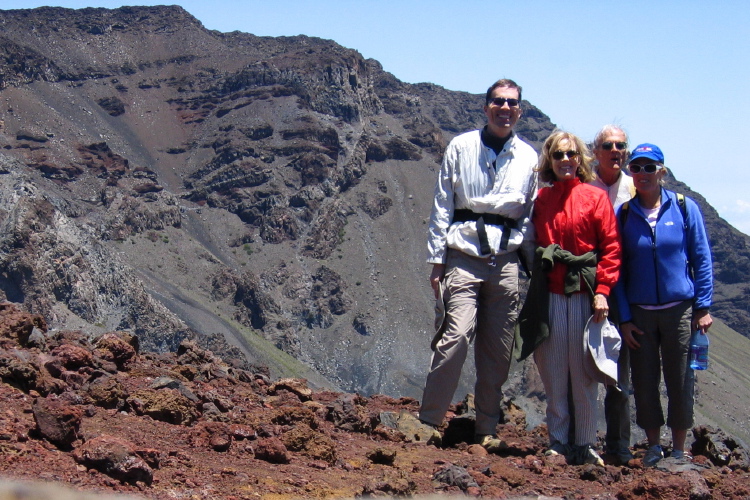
(272, 450)
(720, 448)
(115, 457)
(347, 412)
(310, 443)
(294, 385)
(167, 405)
(411, 427)
(112, 347)
(57, 421)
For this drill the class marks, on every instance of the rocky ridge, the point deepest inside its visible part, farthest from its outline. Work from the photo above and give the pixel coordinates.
(98, 414)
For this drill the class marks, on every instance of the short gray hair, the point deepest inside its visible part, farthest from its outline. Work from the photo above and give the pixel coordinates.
(605, 131)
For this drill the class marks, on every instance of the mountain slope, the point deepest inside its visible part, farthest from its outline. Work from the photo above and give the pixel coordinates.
(266, 196)
(723, 391)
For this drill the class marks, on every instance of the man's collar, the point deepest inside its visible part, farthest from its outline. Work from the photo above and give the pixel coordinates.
(492, 141)
(599, 175)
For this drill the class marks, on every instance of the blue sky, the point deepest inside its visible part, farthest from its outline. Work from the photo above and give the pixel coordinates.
(673, 73)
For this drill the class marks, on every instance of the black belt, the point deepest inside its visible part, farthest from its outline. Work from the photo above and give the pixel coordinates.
(466, 215)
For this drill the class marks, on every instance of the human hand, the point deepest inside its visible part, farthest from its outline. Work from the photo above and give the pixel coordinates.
(702, 321)
(600, 307)
(436, 276)
(627, 330)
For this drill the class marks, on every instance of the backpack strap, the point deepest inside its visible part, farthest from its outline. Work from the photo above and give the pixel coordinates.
(624, 209)
(680, 203)
(683, 209)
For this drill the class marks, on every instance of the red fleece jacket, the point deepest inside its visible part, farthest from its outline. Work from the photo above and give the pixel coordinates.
(579, 218)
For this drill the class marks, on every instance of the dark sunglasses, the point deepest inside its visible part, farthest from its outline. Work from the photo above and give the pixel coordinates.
(620, 146)
(499, 101)
(651, 168)
(559, 155)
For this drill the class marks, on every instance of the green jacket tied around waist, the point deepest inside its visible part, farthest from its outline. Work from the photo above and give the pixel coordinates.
(533, 323)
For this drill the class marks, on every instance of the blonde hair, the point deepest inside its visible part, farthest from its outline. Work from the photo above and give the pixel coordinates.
(584, 172)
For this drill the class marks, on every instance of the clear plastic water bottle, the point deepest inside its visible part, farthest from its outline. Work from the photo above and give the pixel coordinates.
(699, 351)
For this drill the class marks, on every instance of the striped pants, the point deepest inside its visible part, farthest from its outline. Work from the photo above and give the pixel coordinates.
(559, 360)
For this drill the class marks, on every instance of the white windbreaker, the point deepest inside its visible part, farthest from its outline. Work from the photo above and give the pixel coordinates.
(473, 177)
(621, 191)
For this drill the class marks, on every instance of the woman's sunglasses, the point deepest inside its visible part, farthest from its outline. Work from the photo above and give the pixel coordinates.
(559, 155)
(651, 168)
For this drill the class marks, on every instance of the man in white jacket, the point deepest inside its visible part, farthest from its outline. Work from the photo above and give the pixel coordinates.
(480, 218)
(611, 152)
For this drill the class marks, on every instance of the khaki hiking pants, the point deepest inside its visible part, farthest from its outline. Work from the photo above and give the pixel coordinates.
(481, 302)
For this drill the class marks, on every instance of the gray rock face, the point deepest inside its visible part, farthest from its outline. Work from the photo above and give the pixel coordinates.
(60, 268)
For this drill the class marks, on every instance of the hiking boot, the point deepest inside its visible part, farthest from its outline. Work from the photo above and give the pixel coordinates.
(429, 424)
(622, 453)
(681, 456)
(557, 448)
(590, 456)
(491, 443)
(434, 436)
(652, 456)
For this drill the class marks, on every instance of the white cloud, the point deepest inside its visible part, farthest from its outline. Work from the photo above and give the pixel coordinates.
(738, 215)
(743, 206)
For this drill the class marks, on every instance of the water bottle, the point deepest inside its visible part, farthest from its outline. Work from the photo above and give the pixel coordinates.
(699, 351)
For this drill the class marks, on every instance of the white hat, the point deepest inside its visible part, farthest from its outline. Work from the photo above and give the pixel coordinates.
(602, 344)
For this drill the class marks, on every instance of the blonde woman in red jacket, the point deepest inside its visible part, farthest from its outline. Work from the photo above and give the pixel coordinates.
(579, 218)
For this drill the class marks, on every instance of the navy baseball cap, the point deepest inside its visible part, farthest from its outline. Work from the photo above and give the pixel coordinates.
(650, 151)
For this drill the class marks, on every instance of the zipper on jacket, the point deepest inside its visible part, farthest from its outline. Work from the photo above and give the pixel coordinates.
(653, 254)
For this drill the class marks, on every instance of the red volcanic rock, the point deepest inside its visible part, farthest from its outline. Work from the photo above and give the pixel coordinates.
(272, 450)
(112, 347)
(73, 356)
(18, 325)
(147, 429)
(114, 457)
(57, 421)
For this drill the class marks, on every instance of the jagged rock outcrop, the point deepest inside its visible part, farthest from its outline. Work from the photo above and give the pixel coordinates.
(60, 269)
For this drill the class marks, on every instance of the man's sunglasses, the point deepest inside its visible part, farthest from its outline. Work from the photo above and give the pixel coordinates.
(651, 168)
(499, 101)
(559, 155)
(620, 146)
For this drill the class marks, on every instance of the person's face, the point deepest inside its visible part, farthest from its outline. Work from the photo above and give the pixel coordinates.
(502, 118)
(612, 160)
(565, 160)
(646, 182)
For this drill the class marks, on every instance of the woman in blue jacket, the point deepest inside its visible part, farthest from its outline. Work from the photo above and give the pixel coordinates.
(664, 294)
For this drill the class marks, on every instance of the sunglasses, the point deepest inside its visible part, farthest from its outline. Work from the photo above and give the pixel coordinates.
(619, 146)
(499, 101)
(651, 168)
(559, 155)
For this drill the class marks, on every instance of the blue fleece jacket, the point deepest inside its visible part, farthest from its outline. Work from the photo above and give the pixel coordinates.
(671, 263)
